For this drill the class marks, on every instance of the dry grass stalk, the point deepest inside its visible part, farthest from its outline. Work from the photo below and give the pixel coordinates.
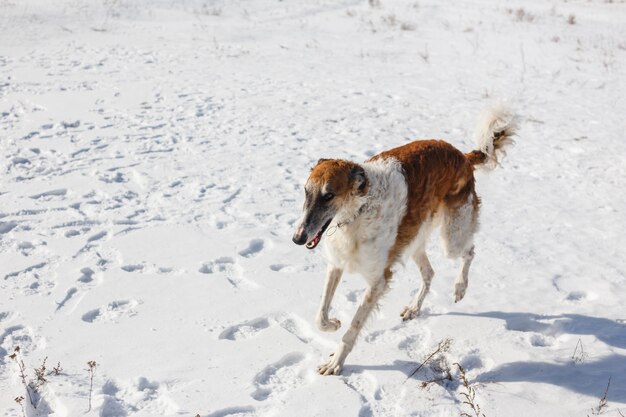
(56, 370)
(469, 395)
(91, 369)
(603, 401)
(23, 376)
(579, 354)
(40, 373)
(19, 401)
(442, 347)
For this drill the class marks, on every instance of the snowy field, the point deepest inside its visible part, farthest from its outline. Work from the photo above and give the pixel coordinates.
(153, 155)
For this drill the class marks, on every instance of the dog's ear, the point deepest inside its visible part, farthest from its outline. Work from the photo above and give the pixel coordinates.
(359, 179)
(319, 161)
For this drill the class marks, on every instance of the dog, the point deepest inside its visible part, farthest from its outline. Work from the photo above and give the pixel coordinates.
(381, 212)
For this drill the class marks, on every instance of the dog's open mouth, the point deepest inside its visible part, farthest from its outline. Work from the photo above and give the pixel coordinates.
(318, 236)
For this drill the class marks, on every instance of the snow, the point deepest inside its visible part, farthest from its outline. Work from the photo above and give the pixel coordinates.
(154, 154)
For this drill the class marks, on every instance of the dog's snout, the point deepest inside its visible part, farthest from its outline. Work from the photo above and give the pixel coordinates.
(299, 238)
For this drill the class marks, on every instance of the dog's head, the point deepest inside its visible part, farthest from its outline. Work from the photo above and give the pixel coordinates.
(332, 186)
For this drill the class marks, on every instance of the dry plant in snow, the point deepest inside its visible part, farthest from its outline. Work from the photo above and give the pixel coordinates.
(521, 15)
(56, 370)
(469, 395)
(571, 19)
(15, 356)
(438, 362)
(34, 387)
(579, 354)
(91, 369)
(19, 401)
(596, 411)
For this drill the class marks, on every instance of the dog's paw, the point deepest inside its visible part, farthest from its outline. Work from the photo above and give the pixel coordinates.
(459, 291)
(332, 367)
(328, 325)
(409, 313)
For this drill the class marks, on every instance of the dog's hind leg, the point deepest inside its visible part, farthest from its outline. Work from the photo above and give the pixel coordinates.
(333, 276)
(457, 232)
(460, 285)
(370, 300)
(421, 259)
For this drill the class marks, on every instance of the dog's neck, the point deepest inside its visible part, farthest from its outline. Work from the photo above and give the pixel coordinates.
(351, 219)
(358, 206)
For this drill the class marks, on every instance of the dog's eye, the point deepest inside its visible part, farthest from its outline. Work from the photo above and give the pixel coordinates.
(328, 196)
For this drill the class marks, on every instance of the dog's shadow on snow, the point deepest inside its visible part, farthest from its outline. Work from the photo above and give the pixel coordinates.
(589, 376)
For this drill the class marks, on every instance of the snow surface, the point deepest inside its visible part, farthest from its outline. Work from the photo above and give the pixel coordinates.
(153, 157)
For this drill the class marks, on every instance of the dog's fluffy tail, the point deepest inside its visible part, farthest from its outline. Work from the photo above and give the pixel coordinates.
(496, 127)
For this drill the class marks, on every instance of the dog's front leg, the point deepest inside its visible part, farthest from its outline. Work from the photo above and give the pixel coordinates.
(333, 275)
(372, 295)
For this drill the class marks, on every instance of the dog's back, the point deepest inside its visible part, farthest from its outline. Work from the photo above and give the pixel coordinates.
(437, 176)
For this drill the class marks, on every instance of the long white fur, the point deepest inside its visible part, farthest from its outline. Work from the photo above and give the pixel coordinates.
(495, 118)
(362, 243)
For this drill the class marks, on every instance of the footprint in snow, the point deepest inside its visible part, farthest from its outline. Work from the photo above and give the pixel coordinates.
(133, 268)
(577, 296)
(13, 336)
(6, 316)
(385, 336)
(68, 296)
(122, 398)
(279, 377)
(245, 411)
(289, 269)
(6, 227)
(233, 272)
(291, 323)
(413, 345)
(245, 330)
(113, 311)
(375, 399)
(254, 247)
(223, 264)
(83, 284)
(539, 340)
(52, 193)
(87, 275)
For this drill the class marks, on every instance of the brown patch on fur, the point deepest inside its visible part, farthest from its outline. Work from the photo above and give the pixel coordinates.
(339, 177)
(476, 157)
(388, 274)
(437, 174)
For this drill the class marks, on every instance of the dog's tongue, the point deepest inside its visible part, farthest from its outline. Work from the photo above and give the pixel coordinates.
(313, 243)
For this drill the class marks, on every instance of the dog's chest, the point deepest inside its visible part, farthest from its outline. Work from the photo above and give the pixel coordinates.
(361, 246)
(364, 244)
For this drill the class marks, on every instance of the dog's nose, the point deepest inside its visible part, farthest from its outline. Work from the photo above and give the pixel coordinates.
(299, 238)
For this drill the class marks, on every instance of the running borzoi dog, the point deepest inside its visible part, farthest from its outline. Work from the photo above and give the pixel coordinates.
(383, 210)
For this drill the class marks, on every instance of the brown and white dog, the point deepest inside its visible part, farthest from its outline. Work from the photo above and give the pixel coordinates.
(383, 210)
